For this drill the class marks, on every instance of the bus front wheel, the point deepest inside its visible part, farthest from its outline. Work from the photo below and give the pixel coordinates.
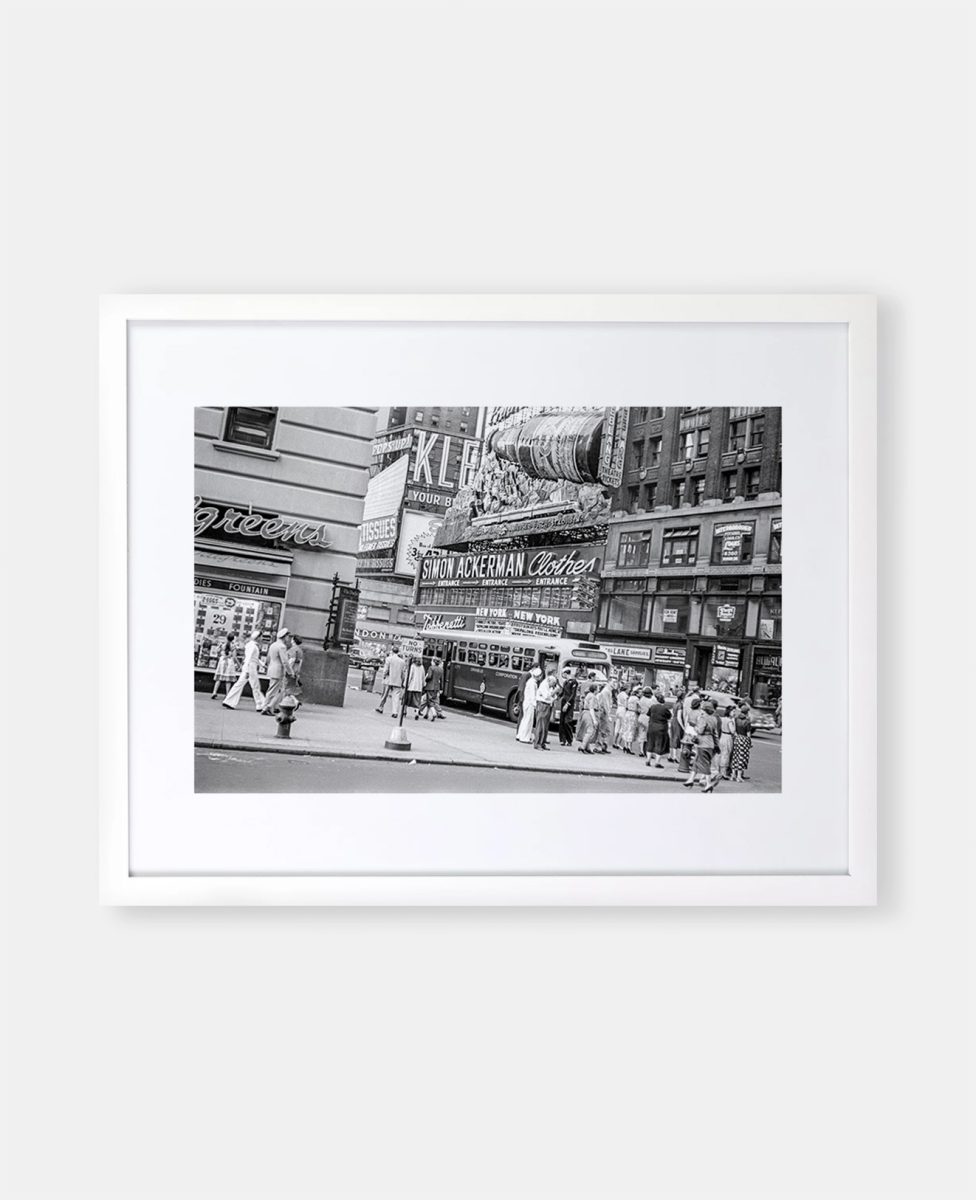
(513, 709)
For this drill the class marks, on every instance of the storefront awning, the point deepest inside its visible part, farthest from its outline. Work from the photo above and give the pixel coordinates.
(216, 567)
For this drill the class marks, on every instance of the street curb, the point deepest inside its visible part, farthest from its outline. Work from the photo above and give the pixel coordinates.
(250, 747)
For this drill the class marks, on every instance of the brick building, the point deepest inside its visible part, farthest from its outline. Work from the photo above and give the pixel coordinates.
(692, 587)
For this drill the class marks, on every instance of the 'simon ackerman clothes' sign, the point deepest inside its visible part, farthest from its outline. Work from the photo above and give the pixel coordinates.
(510, 566)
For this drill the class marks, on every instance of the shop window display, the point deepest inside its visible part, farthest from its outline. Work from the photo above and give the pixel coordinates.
(219, 615)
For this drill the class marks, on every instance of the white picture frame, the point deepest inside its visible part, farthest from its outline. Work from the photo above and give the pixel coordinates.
(119, 886)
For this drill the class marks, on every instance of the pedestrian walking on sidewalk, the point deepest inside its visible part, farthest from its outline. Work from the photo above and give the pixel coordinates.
(628, 726)
(526, 729)
(545, 698)
(395, 674)
(433, 683)
(725, 740)
(296, 657)
(605, 712)
(677, 727)
(741, 744)
(690, 736)
(707, 730)
(227, 669)
(658, 723)
(567, 707)
(589, 719)
(644, 701)
(279, 671)
(248, 675)
(415, 683)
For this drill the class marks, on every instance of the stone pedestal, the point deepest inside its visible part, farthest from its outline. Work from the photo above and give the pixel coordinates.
(324, 674)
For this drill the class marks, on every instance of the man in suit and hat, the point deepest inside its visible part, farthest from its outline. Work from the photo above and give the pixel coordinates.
(279, 670)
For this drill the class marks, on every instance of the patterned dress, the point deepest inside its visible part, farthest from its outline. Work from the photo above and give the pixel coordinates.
(741, 744)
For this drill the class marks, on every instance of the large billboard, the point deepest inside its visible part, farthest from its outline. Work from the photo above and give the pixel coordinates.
(417, 530)
(381, 516)
(542, 470)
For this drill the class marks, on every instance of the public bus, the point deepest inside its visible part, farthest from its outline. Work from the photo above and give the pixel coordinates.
(485, 668)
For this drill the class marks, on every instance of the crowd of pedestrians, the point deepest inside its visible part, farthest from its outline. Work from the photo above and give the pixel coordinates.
(418, 687)
(706, 743)
(284, 672)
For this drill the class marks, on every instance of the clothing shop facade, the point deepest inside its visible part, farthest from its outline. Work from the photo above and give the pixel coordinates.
(277, 509)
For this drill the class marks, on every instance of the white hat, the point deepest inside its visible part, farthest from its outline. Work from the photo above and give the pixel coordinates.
(282, 632)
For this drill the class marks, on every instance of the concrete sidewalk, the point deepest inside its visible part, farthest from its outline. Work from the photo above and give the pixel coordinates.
(358, 731)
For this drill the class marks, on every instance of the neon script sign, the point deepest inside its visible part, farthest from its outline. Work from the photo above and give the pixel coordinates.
(208, 518)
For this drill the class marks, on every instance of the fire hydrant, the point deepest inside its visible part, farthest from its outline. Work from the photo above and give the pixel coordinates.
(285, 716)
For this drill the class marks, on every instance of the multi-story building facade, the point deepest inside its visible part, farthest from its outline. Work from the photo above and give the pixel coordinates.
(419, 459)
(279, 503)
(692, 586)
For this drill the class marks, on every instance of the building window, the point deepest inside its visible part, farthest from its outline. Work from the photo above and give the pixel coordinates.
(654, 452)
(463, 426)
(650, 495)
(670, 614)
(418, 416)
(698, 490)
(633, 499)
(732, 544)
(729, 483)
(688, 442)
(679, 547)
(746, 433)
(655, 413)
(724, 616)
(623, 613)
(776, 542)
(771, 619)
(634, 549)
(638, 456)
(640, 416)
(678, 489)
(750, 487)
(251, 427)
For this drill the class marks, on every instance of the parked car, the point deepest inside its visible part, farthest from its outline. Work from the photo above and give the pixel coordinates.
(762, 721)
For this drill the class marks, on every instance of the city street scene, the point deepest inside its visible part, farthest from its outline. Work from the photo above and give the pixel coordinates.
(489, 599)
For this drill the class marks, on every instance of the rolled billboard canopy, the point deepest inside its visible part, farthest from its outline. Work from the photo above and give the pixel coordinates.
(554, 447)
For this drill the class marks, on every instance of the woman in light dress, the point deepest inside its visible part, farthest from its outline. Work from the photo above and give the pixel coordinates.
(643, 708)
(526, 729)
(726, 735)
(227, 669)
(628, 725)
(586, 729)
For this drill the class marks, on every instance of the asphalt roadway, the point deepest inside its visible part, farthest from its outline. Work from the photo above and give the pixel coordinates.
(243, 771)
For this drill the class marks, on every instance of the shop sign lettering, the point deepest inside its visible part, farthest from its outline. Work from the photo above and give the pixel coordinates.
(514, 564)
(443, 621)
(209, 518)
(726, 612)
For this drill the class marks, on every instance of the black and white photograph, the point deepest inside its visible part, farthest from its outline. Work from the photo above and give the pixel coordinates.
(488, 599)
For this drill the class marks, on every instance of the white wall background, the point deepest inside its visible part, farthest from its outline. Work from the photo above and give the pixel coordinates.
(462, 146)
